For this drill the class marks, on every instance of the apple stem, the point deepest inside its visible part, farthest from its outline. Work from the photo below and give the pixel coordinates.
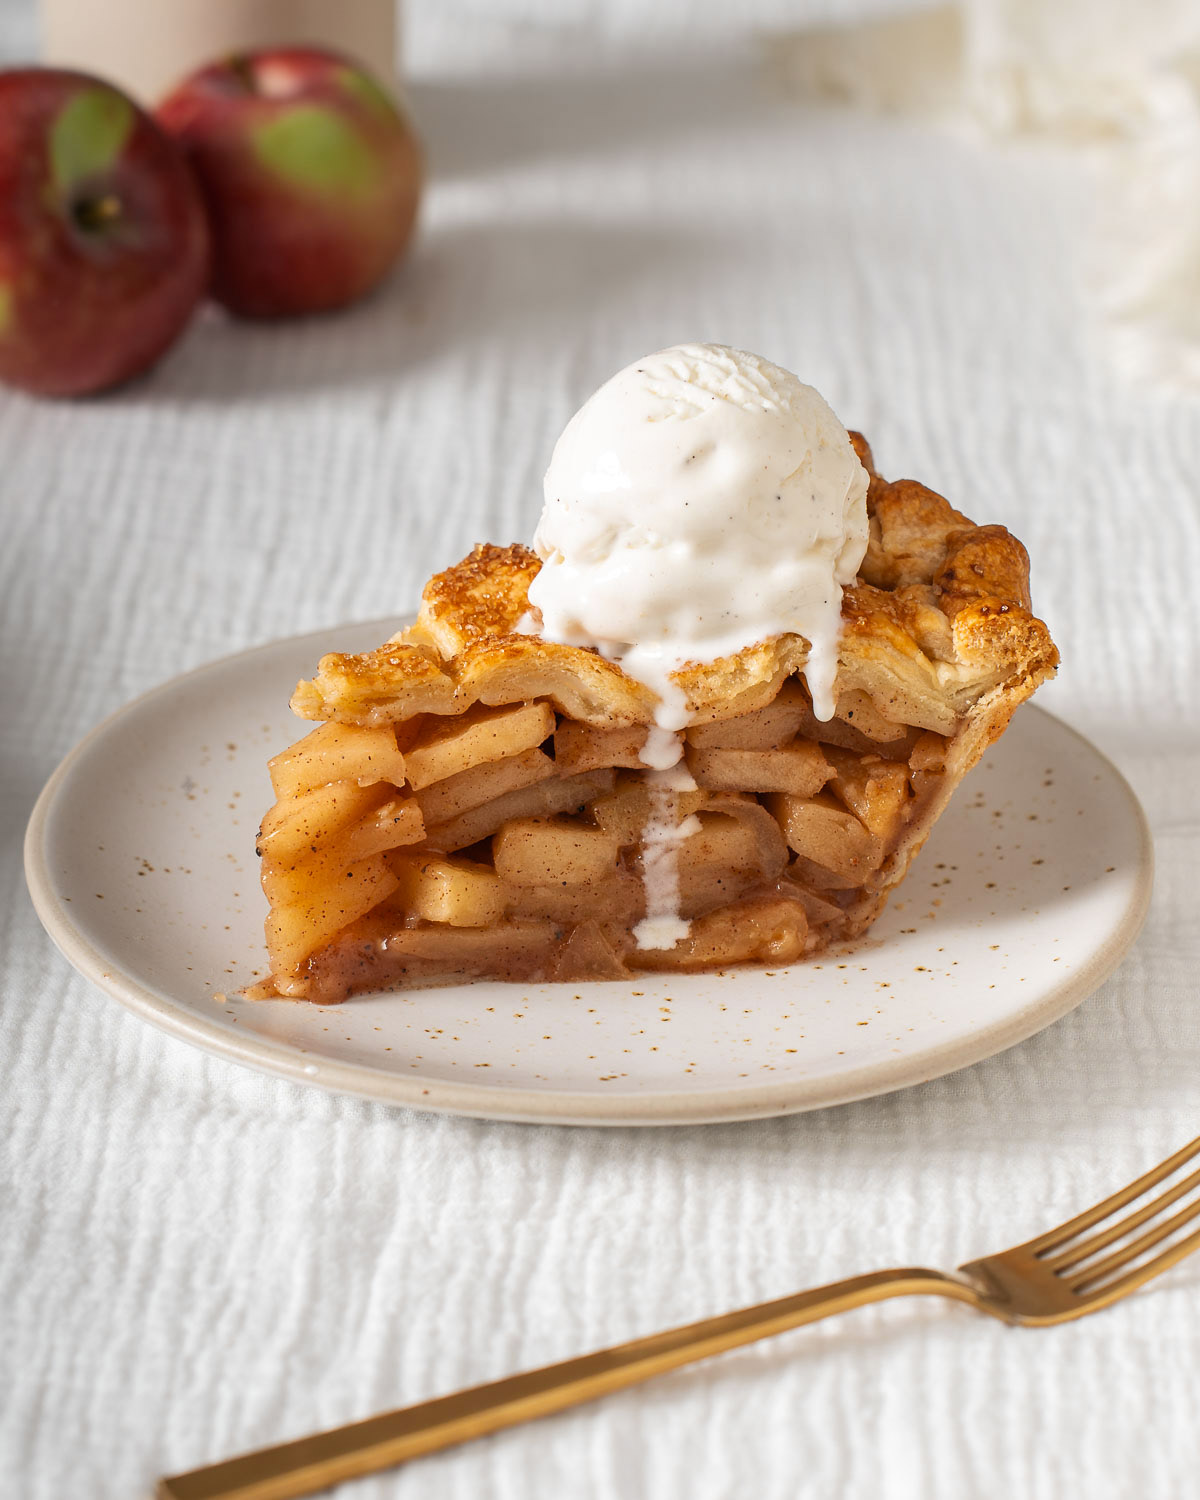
(95, 213)
(241, 65)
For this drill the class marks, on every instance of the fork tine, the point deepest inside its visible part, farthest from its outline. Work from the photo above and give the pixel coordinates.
(1111, 1291)
(1085, 1220)
(1097, 1271)
(1081, 1249)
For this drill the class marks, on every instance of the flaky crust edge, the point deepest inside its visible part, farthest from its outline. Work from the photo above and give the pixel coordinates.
(938, 626)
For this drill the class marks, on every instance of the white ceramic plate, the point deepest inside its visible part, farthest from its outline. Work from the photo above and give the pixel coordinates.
(140, 859)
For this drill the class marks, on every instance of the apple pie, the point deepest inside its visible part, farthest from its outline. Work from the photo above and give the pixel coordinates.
(473, 803)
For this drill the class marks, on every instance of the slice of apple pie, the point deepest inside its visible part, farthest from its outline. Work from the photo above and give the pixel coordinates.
(474, 802)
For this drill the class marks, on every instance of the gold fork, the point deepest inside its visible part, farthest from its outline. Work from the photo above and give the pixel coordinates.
(1050, 1279)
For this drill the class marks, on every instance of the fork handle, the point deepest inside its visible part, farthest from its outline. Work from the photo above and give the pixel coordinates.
(313, 1463)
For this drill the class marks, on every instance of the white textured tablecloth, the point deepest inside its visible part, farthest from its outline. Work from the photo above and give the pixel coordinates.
(195, 1259)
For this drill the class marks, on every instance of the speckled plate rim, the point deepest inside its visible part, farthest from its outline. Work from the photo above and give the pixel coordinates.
(550, 1106)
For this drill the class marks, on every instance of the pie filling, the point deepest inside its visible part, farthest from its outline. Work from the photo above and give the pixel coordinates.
(515, 843)
(475, 803)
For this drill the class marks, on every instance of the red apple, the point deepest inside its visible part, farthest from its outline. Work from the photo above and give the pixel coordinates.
(310, 172)
(103, 242)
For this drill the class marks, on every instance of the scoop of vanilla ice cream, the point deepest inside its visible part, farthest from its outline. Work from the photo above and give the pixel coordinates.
(701, 501)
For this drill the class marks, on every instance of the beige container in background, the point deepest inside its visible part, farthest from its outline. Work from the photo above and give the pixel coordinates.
(146, 46)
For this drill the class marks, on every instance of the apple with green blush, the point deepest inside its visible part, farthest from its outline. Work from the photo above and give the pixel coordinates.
(310, 171)
(103, 239)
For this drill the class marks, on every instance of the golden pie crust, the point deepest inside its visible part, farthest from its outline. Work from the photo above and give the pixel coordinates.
(473, 806)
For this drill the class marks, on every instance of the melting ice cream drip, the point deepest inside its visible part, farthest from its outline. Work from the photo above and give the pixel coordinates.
(662, 926)
(666, 777)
